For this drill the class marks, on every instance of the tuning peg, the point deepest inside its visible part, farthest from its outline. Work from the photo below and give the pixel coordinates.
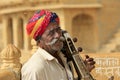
(75, 39)
(79, 49)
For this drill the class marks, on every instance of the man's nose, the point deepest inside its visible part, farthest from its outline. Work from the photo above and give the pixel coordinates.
(57, 35)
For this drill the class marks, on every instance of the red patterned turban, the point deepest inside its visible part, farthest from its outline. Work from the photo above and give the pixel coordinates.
(38, 23)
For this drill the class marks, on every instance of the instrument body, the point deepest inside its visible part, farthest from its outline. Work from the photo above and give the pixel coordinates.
(72, 54)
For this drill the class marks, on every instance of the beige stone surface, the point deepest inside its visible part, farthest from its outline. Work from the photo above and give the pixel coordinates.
(10, 63)
(95, 23)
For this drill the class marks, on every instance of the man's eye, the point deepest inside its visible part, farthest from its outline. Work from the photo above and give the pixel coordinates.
(51, 32)
(58, 29)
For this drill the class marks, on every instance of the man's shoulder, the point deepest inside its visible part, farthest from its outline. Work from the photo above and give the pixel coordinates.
(36, 61)
(34, 65)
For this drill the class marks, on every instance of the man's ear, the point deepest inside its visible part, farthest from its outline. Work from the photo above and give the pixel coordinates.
(39, 43)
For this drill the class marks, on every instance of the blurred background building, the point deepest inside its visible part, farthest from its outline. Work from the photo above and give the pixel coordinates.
(95, 23)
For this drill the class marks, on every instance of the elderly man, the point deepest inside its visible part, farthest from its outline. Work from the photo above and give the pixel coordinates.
(47, 63)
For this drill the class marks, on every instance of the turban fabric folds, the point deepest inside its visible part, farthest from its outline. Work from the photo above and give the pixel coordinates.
(38, 23)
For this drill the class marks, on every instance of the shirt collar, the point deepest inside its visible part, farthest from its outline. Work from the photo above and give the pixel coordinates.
(45, 54)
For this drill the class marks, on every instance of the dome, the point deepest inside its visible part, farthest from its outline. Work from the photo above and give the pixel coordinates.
(10, 52)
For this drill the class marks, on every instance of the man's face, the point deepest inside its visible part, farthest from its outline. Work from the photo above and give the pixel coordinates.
(51, 38)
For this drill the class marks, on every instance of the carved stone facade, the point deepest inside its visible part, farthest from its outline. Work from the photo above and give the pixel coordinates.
(107, 66)
(14, 30)
(93, 22)
(15, 16)
(96, 24)
(10, 63)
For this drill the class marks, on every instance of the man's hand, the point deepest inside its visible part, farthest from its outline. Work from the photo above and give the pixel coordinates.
(90, 63)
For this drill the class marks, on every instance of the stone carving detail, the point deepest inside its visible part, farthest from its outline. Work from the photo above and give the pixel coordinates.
(108, 67)
(10, 59)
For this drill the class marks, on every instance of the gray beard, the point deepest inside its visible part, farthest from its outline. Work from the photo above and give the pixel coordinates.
(57, 48)
(54, 41)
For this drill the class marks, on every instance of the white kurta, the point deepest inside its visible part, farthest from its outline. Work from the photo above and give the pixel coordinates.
(43, 66)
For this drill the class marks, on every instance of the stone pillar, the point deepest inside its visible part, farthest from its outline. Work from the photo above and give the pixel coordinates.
(6, 27)
(17, 32)
(27, 40)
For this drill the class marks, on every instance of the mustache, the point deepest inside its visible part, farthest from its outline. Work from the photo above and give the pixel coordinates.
(55, 40)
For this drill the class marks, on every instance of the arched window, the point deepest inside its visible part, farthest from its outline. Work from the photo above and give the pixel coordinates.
(82, 28)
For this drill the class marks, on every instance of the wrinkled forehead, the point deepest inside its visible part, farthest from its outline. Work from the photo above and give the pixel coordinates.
(52, 25)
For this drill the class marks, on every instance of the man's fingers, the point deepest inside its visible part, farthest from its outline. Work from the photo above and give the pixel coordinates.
(91, 63)
(87, 56)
